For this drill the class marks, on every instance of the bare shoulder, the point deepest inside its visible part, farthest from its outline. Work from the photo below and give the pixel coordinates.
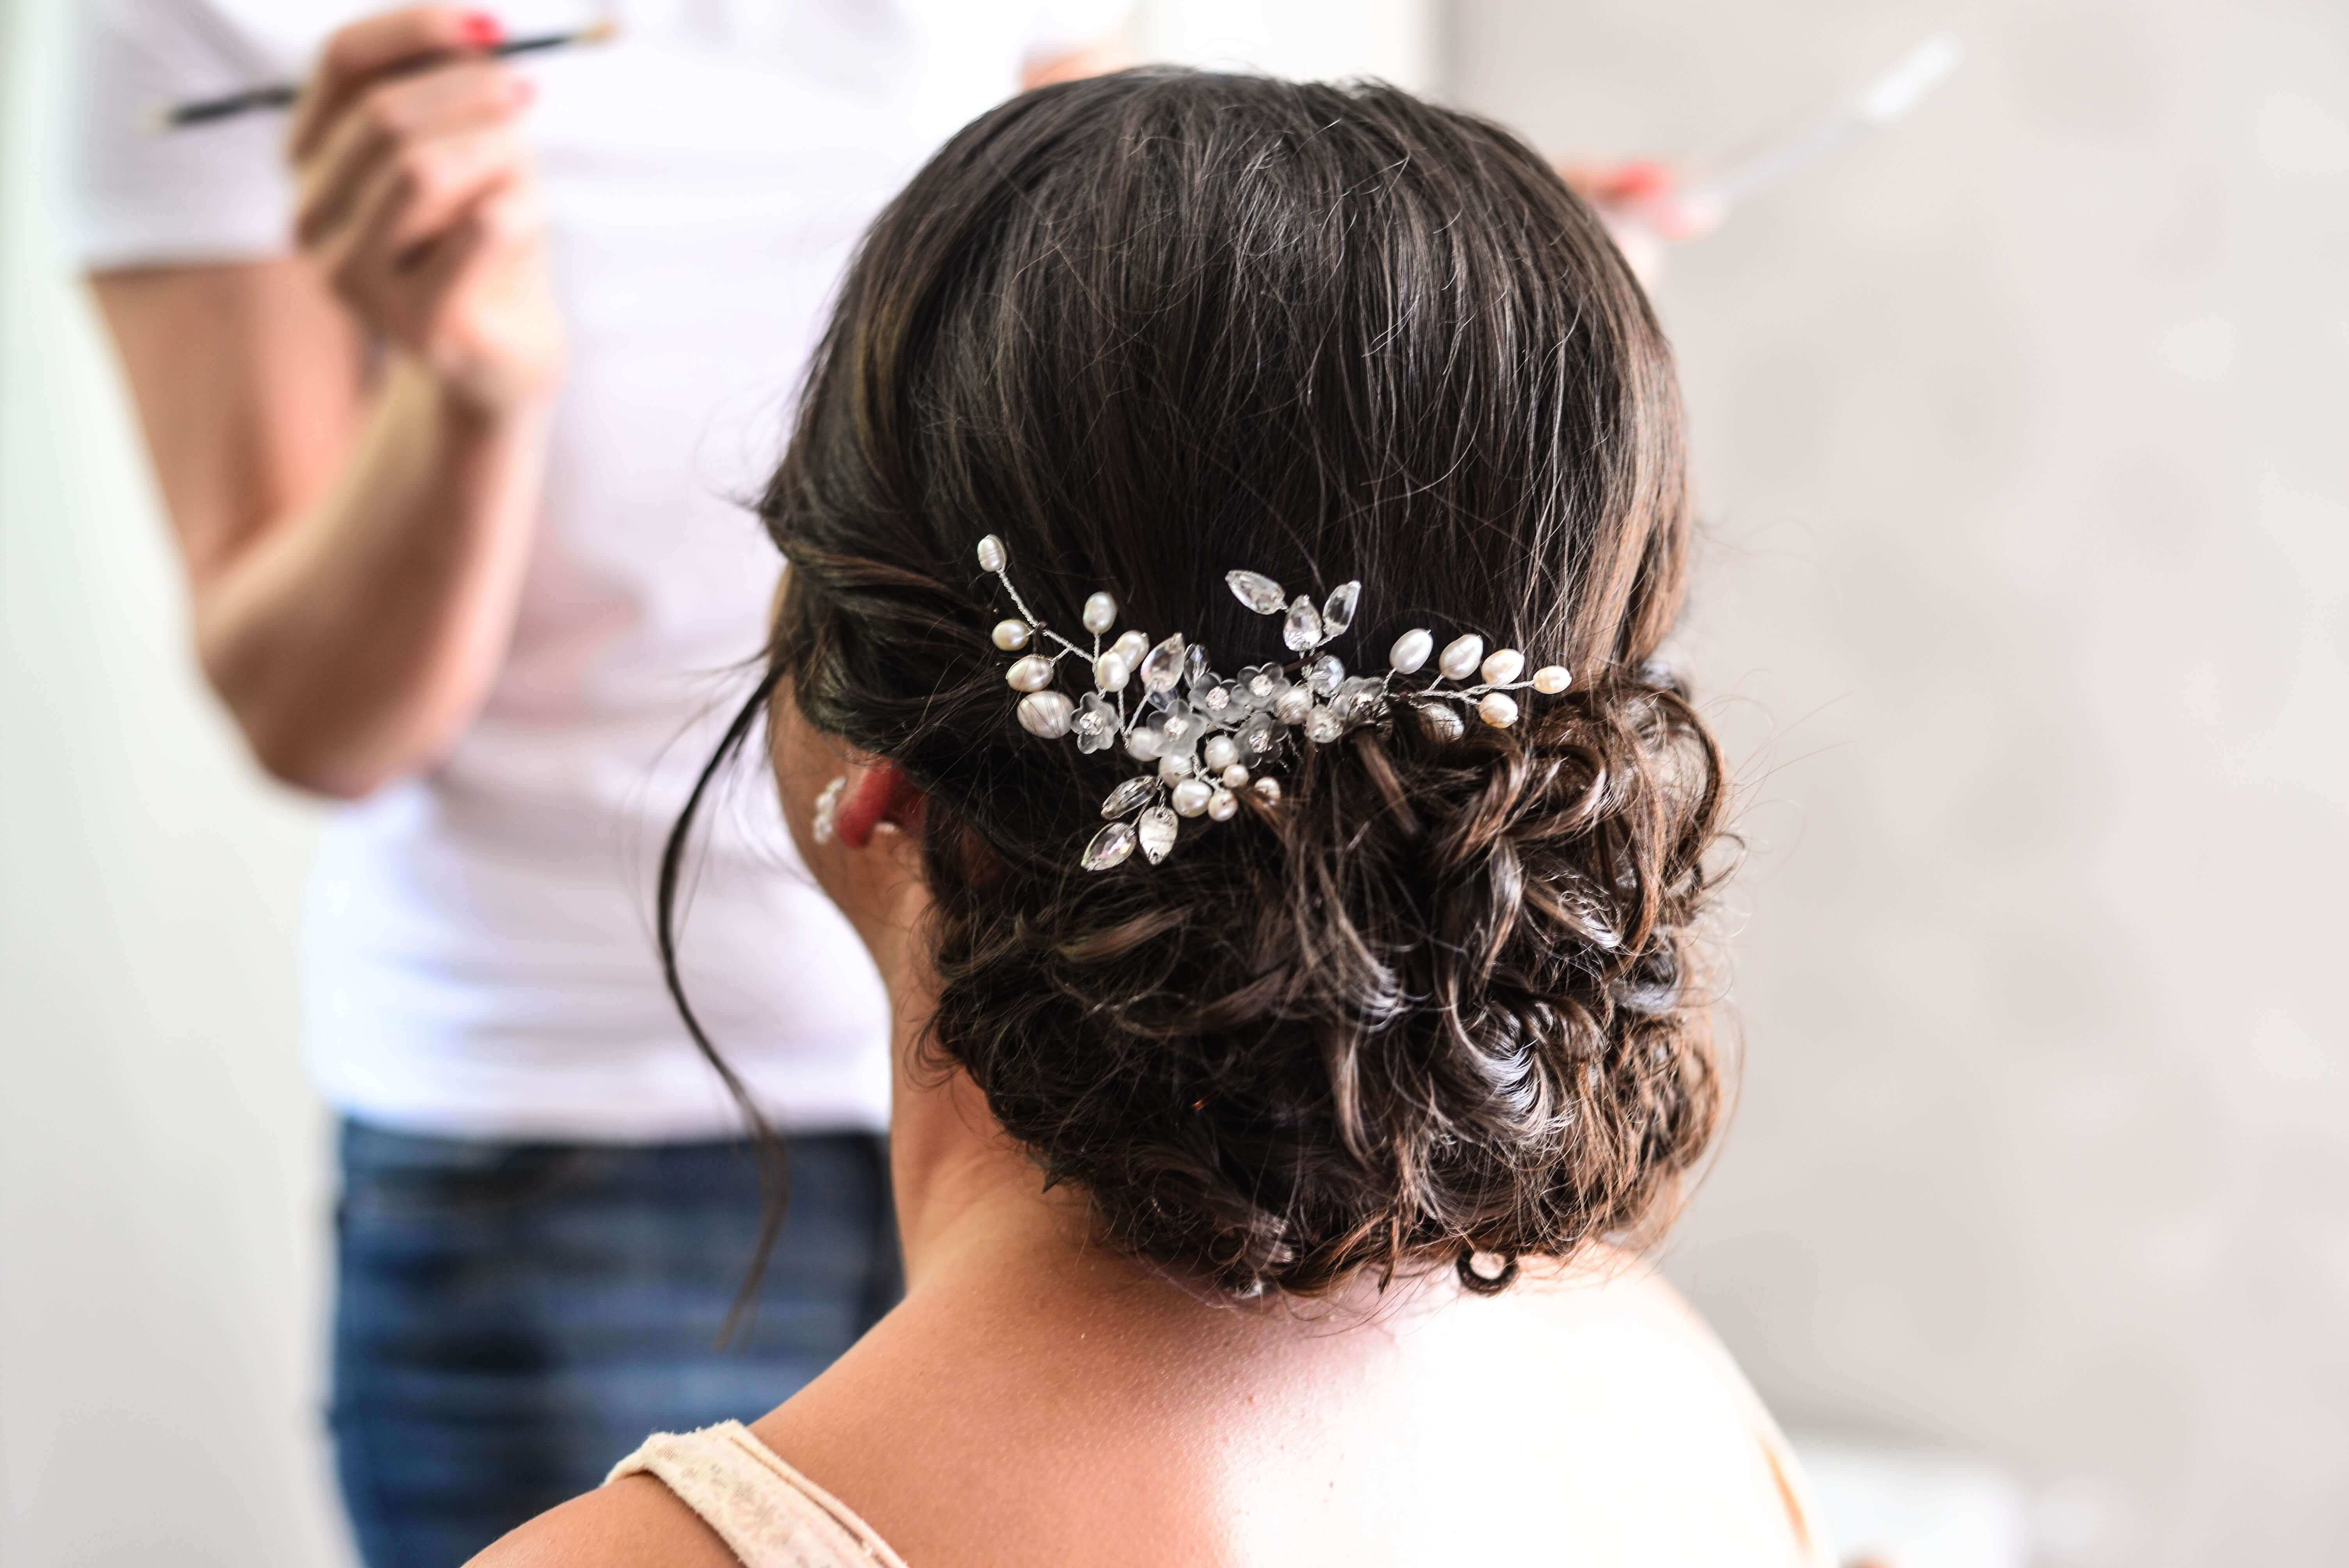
(634, 1523)
(1043, 1423)
(1657, 1349)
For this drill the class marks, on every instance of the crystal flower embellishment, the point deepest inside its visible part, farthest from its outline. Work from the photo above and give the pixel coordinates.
(1205, 738)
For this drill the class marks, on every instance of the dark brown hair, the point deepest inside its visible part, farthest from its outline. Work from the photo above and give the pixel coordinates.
(1441, 1000)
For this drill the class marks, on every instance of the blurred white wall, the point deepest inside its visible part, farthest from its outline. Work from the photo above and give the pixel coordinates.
(1392, 39)
(163, 1197)
(2020, 430)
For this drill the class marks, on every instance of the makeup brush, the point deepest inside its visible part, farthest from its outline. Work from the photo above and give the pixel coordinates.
(281, 95)
(1874, 107)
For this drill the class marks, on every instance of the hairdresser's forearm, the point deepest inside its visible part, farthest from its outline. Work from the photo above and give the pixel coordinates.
(354, 643)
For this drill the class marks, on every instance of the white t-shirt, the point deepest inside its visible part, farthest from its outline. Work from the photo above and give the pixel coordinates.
(477, 942)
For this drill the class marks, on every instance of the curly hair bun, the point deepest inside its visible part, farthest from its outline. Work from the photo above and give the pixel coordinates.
(1439, 1007)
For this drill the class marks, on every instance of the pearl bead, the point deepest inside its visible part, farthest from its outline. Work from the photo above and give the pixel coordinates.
(1269, 788)
(1221, 751)
(1222, 806)
(1033, 673)
(1174, 766)
(1143, 744)
(1131, 646)
(1291, 705)
(1498, 708)
(1045, 713)
(1101, 613)
(1552, 679)
(1011, 636)
(1410, 652)
(1234, 777)
(1503, 667)
(1191, 798)
(990, 555)
(1460, 655)
(1111, 673)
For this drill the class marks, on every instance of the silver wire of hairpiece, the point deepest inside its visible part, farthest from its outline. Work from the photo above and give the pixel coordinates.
(1211, 735)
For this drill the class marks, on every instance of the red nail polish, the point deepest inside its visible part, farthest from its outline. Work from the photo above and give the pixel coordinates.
(1633, 180)
(483, 30)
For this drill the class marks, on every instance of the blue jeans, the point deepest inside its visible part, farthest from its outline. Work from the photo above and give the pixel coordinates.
(512, 1318)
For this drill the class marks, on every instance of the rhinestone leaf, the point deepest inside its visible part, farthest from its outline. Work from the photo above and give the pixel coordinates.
(1303, 628)
(1110, 847)
(1257, 592)
(1158, 828)
(1195, 664)
(1337, 610)
(1128, 795)
(1164, 666)
(1324, 674)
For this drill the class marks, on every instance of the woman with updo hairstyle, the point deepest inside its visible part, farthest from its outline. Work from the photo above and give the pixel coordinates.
(1271, 1196)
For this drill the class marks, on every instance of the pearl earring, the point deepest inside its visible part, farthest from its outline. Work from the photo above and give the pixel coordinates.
(826, 826)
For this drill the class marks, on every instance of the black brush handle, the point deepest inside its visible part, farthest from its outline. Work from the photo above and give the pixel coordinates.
(281, 95)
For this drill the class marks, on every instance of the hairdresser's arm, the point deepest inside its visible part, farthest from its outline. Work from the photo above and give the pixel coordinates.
(354, 544)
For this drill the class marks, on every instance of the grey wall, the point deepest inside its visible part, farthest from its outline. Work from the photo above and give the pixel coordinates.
(2027, 607)
(162, 1192)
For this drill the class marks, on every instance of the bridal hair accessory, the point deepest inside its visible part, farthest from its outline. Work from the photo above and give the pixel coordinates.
(1211, 735)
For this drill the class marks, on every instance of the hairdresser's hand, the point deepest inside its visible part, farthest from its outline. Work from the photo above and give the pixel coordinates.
(1643, 205)
(420, 205)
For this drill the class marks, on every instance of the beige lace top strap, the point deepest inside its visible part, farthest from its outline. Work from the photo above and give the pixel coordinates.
(767, 1513)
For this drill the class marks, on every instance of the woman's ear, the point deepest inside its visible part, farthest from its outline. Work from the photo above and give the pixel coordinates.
(876, 796)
